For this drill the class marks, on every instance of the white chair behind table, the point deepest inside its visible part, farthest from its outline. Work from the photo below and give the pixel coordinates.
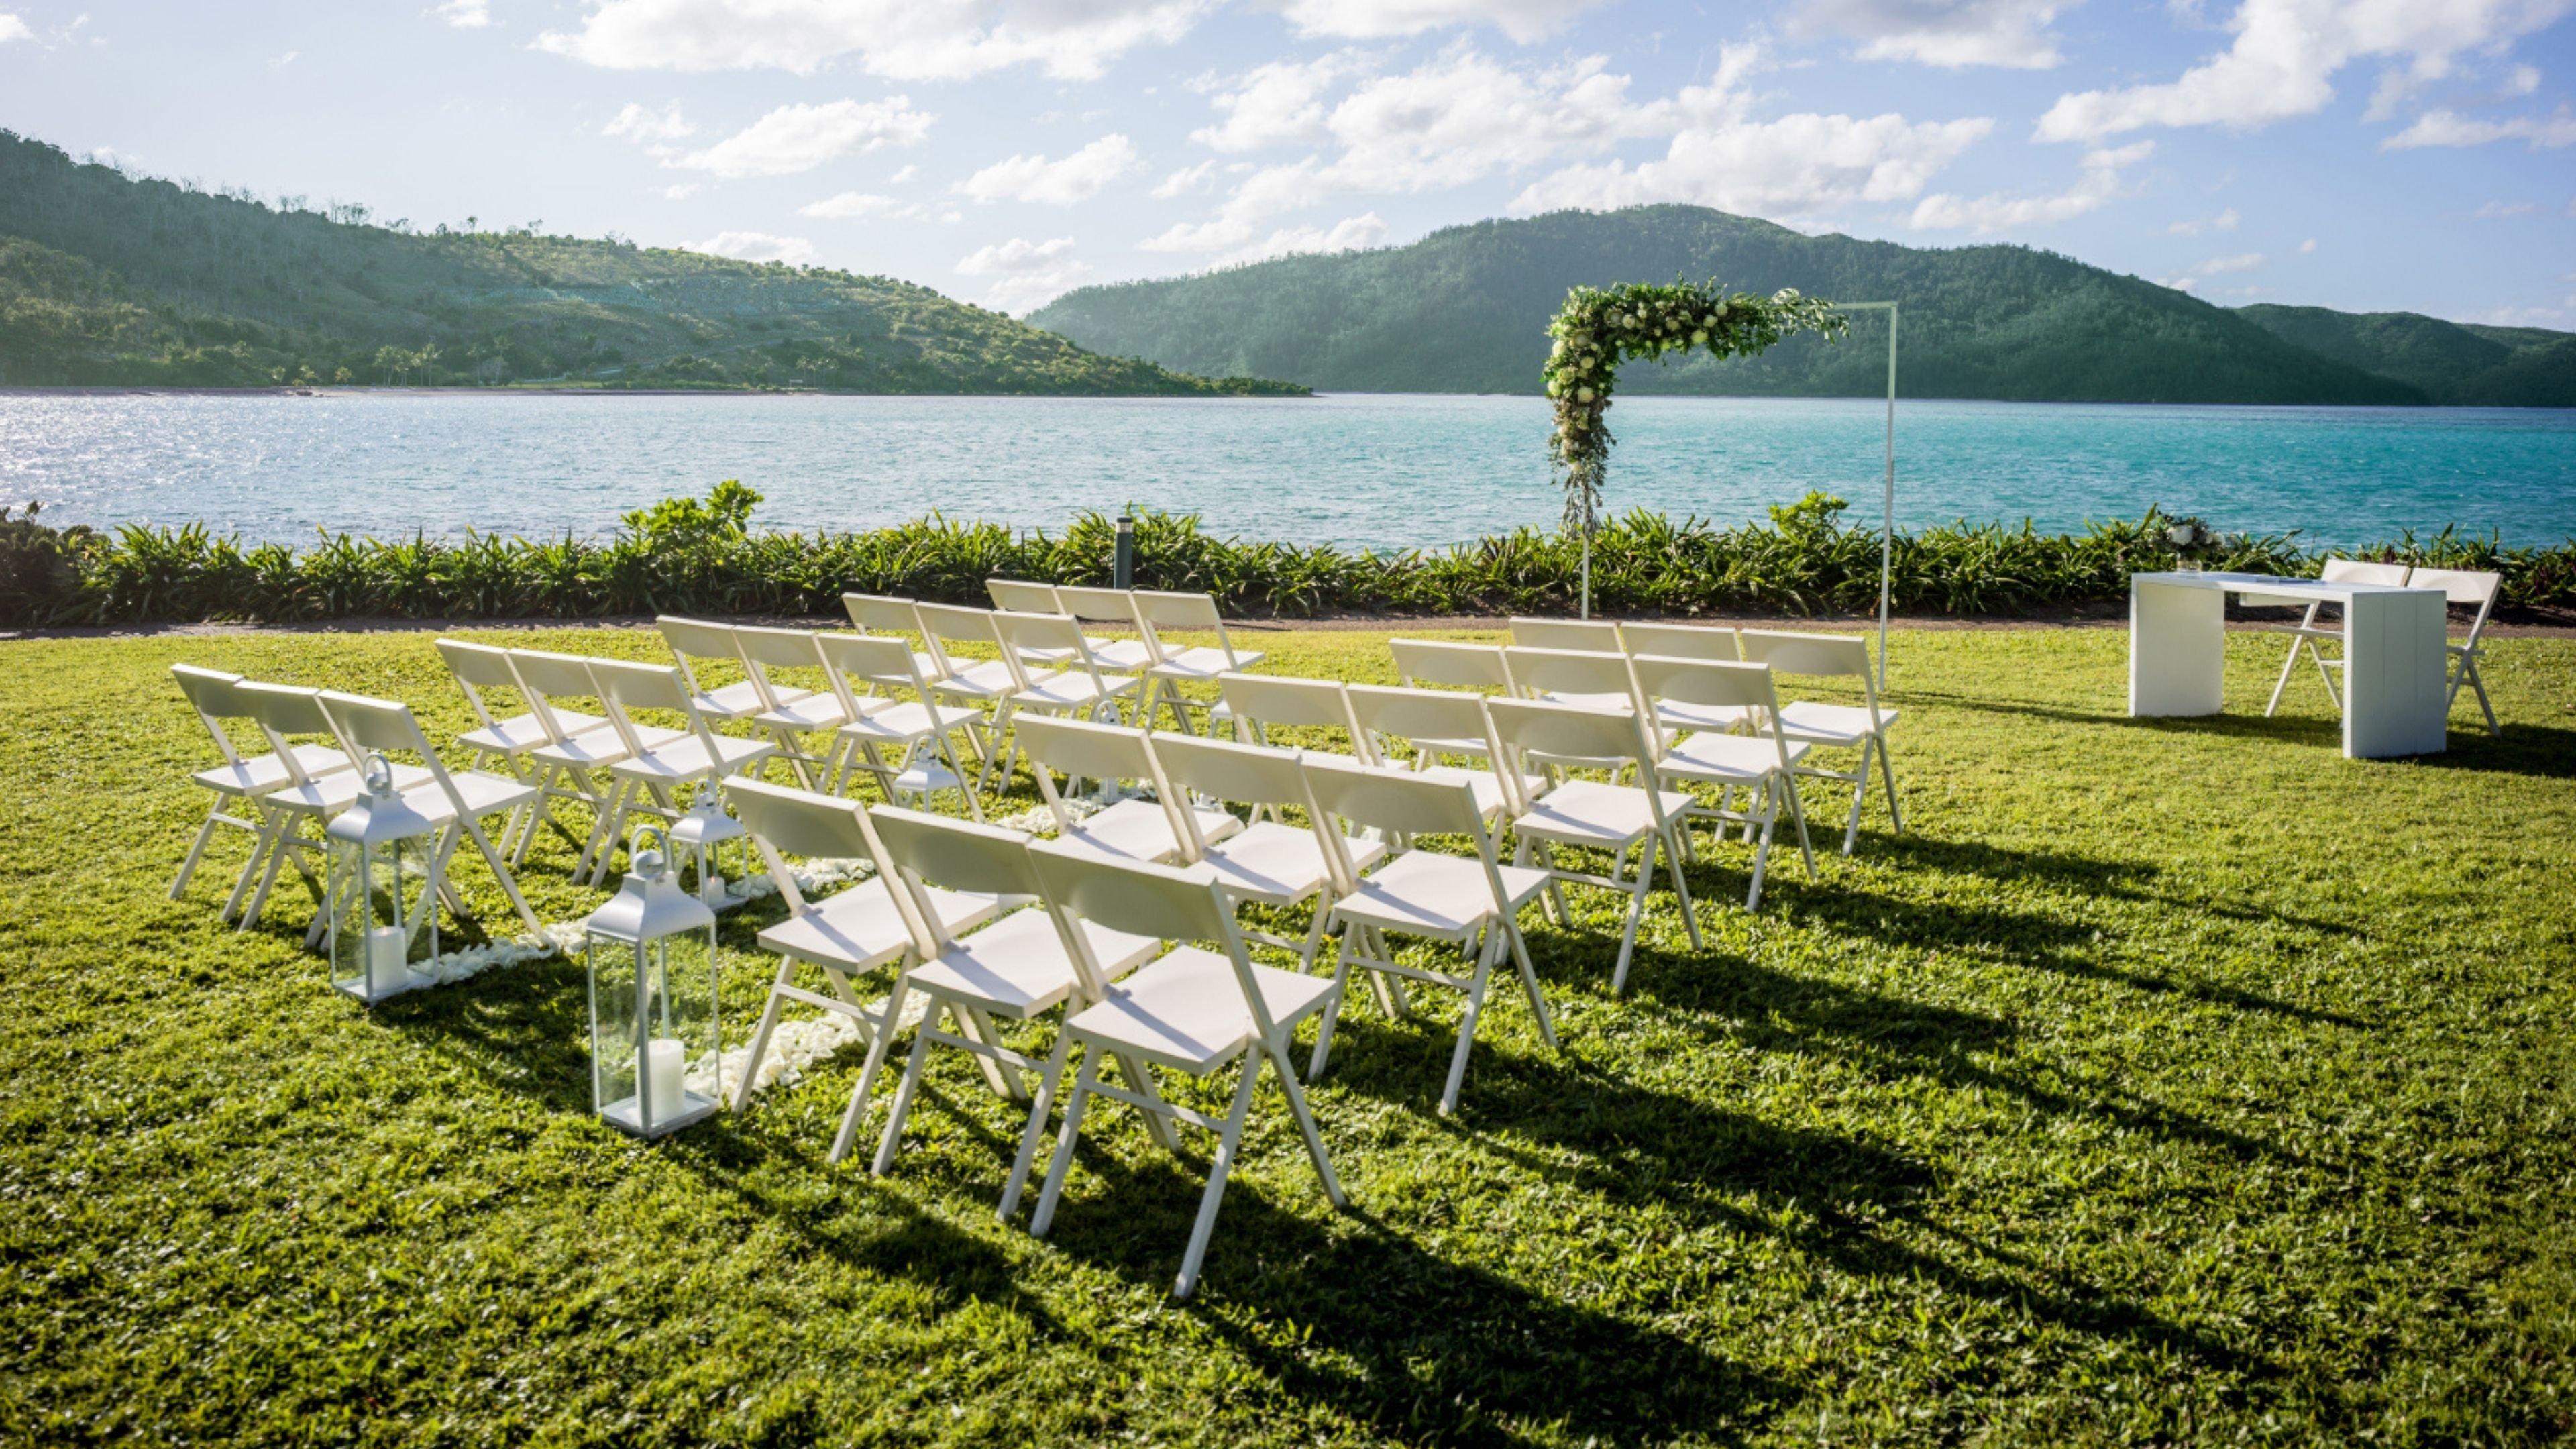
(1597, 636)
(1608, 817)
(2467, 588)
(881, 615)
(1174, 665)
(295, 724)
(853, 932)
(572, 763)
(1108, 606)
(1863, 726)
(648, 779)
(1710, 643)
(241, 779)
(505, 742)
(1193, 1010)
(797, 708)
(2309, 632)
(697, 641)
(1018, 968)
(1435, 724)
(1461, 901)
(457, 801)
(1269, 862)
(1120, 759)
(1764, 765)
(902, 722)
(1255, 703)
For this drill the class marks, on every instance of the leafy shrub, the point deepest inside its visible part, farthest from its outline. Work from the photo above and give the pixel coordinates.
(703, 556)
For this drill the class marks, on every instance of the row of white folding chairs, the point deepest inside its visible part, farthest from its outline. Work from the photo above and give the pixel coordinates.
(1166, 665)
(2468, 588)
(1586, 662)
(310, 772)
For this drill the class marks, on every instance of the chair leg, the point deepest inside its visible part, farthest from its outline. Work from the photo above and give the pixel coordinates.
(1529, 981)
(1333, 1008)
(1681, 883)
(197, 849)
(1467, 1022)
(1636, 913)
(1762, 851)
(1860, 793)
(1044, 1217)
(1798, 812)
(760, 1034)
(1306, 1123)
(911, 1081)
(2287, 666)
(880, 1039)
(1035, 1131)
(1228, 1143)
(1887, 776)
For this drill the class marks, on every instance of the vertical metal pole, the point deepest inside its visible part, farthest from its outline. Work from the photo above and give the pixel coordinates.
(1887, 519)
(1126, 565)
(1585, 609)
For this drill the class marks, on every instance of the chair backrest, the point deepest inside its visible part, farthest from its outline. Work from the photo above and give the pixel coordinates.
(2361, 571)
(1717, 682)
(1181, 904)
(1441, 661)
(1226, 770)
(283, 712)
(554, 676)
(945, 624)
(1572, 671)
(1598, 635)
(625, 686)
(210, 693)
(1265, 699)
(697, 639)
(881, 613)
(1041, 631)
(477, 666)
(1543, 729)
(1168, 610)
(1085, 748)
(2462, 586)
(854, 661)
(932, 850)
(777, 648)
(1714, 642)
(1021, 596)
(1099, 606)
(388, 726)
(1828, 655)
(786, 821)
(1422, 714)
(1397, 802)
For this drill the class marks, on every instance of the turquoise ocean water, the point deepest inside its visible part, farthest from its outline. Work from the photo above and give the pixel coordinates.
(1369, 470)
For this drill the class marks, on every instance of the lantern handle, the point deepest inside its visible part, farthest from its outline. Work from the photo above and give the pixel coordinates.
(635, 843)
(378, 773)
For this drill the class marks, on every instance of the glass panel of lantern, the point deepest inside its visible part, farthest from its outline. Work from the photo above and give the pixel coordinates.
(717, 848)
(651, 956)
(380, 890)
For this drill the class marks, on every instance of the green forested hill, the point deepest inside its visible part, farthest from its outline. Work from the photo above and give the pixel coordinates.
(2453, 362)
(1463, 310)
(107, 279)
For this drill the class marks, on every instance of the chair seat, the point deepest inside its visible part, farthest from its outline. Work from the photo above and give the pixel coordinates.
(330, 794)
(742, 700)
(1587, 812)
(594, 749)
(1018, 967)
(1487, 785)
(1473, 747)
(1424, 893)
(1830, 724)
(1138, 830)
(262, 773)
(1614, 703)
(519, 734)
(1727, 759)
(1127, 655)
(686, 759)
(986, 681)
(905, 721)
(859, 929)
(1186, 1010)
(923, 665)
(1281, 864)
(1674, 714)
(1070, 690)
(484, 794)
(1203, 663)
(817, 711)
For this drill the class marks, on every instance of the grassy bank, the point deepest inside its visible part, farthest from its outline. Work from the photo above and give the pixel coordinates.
(2171, 1082)
(693, 556)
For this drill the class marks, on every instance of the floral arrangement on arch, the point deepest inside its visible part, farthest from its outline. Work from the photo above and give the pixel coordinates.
(1598, 328)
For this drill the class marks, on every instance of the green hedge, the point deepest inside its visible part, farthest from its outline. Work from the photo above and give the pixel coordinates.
(702, 556)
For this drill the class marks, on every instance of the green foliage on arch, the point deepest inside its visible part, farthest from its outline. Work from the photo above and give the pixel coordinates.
(1599, 328)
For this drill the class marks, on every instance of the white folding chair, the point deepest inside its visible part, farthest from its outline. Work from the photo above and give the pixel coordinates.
(1607, 817)
(456, 801)
(1763, 765)
(895, 723)
(1257, 703)
(2308, 633)
(1437, 725)
(1022, 596)
(1833, 726)
(241, 779)
(881, 615)
(648, 779)
(1424, 662)
(1472, 902)
(1269, 862)
(1121, 760)
(697, 641)
(1084, 688)
(1582, 677)
(794, 710)
(506, 743)
(1017, 968)
(2471, 589)
(1174, 665)
(1595, 636)
(1710, 643)
(288, 714)
(1108, 606)
(571, 764)
(984, 683)
(1192, 1010)
(852, 932)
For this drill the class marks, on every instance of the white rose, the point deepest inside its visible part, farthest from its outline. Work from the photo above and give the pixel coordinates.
(1699, 338)
(1583, 394)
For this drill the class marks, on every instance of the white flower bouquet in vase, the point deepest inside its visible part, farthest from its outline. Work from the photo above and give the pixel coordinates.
(2192, 541)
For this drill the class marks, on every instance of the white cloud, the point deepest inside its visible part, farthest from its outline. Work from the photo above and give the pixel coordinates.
(1078, 177)
(902, 39)
(2221, 266)
(2307, 246)
(1349, 234)
(681, 192)
(1522, 20)
(1946, 33)
(859, 205)
(283, 61)
(904, 177)
(464, 14)
(2445, 128)
(756, 246)
(1276, 104)
(1994, 212)
(2522, 80)
(2495, 210)
(1185, 181)
(2285, 55)
(638, 123)
(2194, 226)
(802, 137)
(13, 28)
(1031, 273)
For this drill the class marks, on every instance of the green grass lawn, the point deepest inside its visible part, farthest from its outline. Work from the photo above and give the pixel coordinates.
(2168, 1081)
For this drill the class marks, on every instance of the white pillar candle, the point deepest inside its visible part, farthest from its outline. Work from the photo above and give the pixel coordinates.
(387, 946)
(664, 1064)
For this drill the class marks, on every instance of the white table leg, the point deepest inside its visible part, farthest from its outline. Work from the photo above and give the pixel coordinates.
(2393, 675)
(2177, 649)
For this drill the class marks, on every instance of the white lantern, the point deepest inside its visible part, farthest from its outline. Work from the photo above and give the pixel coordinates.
(717, 846)
(651, 956)
(380, 890)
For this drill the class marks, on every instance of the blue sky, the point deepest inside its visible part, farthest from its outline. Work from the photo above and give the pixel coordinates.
(2363, 154)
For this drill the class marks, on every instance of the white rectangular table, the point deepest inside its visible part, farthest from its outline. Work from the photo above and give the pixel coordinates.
(2394, 671)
